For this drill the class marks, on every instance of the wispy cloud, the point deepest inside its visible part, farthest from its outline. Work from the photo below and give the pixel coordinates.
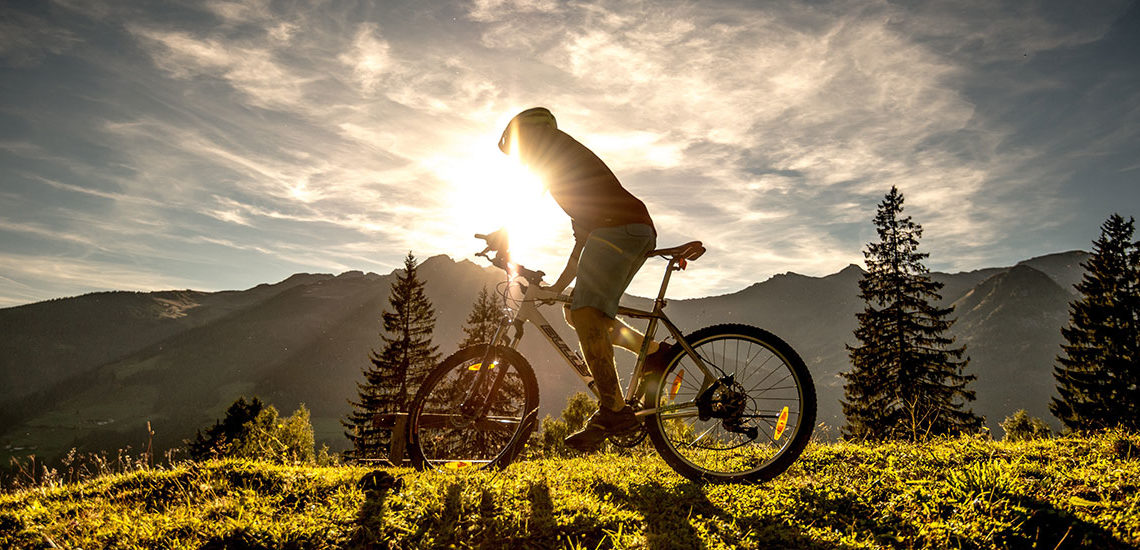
(330, 137)
(24, 277)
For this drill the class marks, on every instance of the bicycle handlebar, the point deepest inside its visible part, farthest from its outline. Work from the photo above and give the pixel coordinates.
(499, 243)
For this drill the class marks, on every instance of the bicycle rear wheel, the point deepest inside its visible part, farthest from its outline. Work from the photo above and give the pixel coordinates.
(745, 422)
(446, 436)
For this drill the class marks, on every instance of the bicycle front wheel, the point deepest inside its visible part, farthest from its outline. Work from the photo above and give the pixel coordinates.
(744, 419)
(455, 426)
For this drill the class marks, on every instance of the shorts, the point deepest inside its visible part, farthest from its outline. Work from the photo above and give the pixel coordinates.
(609, 261)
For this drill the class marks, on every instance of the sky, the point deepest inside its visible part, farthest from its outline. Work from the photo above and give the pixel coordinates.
(218, 145)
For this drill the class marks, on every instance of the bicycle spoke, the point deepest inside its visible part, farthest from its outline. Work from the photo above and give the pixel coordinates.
(751, 419)
(448, 438)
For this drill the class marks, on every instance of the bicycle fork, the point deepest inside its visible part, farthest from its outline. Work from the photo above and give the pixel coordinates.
(473, 404)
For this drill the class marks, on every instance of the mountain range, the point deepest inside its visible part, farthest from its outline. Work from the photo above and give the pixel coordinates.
(91, 371)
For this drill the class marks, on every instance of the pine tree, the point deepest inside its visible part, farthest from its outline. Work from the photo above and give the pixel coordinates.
(906, 380)
(483, 320)
(1098, 378)
(226, 434)
(396, 371)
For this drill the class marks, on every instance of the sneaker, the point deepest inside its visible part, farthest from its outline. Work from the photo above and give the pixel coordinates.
(655, 362)
(601, 425)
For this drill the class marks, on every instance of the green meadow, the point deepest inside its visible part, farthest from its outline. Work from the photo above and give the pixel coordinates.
(1066, 492)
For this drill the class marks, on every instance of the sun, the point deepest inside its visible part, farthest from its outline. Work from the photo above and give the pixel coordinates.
(492, 191)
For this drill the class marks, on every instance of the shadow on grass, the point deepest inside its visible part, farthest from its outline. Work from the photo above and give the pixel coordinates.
(671, 514)
(681, 517)
(1047, 526)
(1031, 524)
(369, 533)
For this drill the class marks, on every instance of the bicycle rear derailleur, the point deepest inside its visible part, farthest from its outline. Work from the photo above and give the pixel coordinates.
(725, 399)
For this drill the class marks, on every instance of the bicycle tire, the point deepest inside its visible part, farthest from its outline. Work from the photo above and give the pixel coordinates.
(730, 456)
(441, 437)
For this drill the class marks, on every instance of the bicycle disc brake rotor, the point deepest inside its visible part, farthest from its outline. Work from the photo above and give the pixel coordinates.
(465, 417)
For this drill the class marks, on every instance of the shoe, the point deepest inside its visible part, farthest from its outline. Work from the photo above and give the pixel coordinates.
(601, 425)
(655, 362)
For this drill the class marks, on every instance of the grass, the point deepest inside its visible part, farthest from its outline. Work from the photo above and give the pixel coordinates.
(1070, 492)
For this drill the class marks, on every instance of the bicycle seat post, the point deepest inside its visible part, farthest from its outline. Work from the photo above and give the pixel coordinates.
(669, 269)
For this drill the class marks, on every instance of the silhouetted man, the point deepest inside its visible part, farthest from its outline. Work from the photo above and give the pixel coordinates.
(612, 234)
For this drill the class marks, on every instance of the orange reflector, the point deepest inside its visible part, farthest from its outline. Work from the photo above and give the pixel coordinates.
(456, 464)
(781, 423)
(477, 366)
(676, 384)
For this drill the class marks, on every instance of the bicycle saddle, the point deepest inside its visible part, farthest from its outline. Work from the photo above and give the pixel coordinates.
(688, 251)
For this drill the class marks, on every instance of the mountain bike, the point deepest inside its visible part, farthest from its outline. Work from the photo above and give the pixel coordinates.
(733, 403)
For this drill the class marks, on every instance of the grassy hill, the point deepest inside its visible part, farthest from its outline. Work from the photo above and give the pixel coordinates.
(1071, 492)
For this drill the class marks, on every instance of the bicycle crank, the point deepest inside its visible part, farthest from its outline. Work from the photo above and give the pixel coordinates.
(634, 436)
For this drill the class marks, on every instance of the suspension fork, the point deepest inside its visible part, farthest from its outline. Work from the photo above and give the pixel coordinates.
(471, 403)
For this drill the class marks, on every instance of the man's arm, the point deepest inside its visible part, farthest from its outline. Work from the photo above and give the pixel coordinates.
(571, 269)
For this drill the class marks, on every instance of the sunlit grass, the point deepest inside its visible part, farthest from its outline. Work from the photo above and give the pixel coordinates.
(967, 493)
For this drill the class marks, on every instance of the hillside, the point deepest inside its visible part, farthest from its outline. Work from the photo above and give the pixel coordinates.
(1070, 492)
(1010, 325)
(51, 341)
(91, 371)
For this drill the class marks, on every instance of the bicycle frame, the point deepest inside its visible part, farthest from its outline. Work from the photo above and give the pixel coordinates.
(528, 311)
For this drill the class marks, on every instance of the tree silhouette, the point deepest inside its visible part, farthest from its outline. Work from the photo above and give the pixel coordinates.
(484, 318)
(1098, 376)
(396, 371)
(905, 381)
(225, 434)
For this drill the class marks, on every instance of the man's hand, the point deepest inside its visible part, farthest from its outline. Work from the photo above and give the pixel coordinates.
(569, 272)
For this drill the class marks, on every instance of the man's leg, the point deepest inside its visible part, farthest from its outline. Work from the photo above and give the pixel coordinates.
(609, 260)
(594, 329)
(629, 338)
(613, 416)
(621, 334)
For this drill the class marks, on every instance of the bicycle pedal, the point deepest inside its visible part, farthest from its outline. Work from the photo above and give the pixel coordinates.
(629, 438)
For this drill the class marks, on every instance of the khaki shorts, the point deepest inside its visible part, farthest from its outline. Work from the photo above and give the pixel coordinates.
(609, 261)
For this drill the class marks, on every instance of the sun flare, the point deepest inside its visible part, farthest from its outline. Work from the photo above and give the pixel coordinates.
(493, 191)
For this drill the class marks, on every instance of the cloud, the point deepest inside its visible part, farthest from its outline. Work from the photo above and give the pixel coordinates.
(25, 278)
(250, 69)
(315, 136)
(26, 40)
(368, 58)
(850, 102)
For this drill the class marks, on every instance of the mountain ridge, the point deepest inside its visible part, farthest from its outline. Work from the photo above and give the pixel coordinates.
(305, 340)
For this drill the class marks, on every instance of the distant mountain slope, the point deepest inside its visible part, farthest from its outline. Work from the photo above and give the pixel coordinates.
(96, 368)
(45, 343)
(307, 343)
(1064, 267)
(1011, 325)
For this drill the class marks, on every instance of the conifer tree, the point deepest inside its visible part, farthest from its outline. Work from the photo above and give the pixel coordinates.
(483, 320)
(396, 371)
(1098, 376)
(906, 380)
(225, 434)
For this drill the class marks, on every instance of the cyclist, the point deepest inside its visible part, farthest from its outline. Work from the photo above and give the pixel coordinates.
(612, 234)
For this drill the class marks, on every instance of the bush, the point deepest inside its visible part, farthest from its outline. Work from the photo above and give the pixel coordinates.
(254, 430)
(1021, 427)
(288, 441)
(550, 443)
